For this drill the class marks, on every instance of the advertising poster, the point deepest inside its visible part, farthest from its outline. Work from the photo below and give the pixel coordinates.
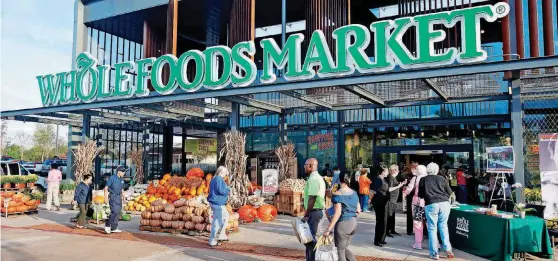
(548, 163)
(500, 159)
(270, 178)
(201, 146)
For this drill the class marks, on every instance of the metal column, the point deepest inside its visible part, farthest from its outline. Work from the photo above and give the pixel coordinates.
(167, 148)
(234, 121)
(86, 129)
(183, 152)
(145, 145)
(341, 141)
(283, 22)
(282, 128)
(517, 133)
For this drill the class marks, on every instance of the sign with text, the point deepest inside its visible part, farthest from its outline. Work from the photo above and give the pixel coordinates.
(220, 66)
(548, 162)
(201, 146)
(500, 159)
(270, 178)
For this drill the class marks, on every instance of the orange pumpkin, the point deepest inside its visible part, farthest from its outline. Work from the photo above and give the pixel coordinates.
(206, 190)
(199, 191)
(177, 192)
(166, 196)
(195, 172)
(167, 176)
(157, 195)
(248, 213)
(267, 212)
(151, 190)
(162, 182)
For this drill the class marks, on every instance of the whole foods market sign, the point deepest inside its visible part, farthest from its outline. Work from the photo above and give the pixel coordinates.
(221, 66)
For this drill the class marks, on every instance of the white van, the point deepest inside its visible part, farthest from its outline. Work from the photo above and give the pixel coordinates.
(14, 168)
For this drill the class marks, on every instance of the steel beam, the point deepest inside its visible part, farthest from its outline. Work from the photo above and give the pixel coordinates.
(109, 8)
(500, 66)
(254, 103)
(308, 99)
(517, 134)
(434, 87)
(365, 94)
(234, 122)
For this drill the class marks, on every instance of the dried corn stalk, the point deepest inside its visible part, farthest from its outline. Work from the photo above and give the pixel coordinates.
(285, 153)
(84, 156)
(136, 156)
(235, 160)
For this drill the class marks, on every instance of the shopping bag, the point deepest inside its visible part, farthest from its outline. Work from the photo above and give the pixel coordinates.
(302, 231)
(325, 249)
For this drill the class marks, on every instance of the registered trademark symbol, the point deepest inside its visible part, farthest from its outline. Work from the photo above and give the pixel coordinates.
(501, 9)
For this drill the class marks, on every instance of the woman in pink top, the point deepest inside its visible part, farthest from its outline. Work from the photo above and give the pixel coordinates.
(53, 190)
(418, 205)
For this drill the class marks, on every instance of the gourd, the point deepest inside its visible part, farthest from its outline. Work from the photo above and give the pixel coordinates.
(188, 210)
(200, 227)
(178, 224)
(195, 172)
(247, 213)
(179, 203)
(156, 215)
(187, 217)
(189, 225)
(197, 219)
(145, 222)
(146, 215)
(166, 217)
(198, 212)
(208, 228)
(167, 224)
(169, 209)
(155, 223)
(177, 216)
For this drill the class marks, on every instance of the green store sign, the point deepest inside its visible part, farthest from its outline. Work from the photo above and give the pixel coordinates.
(219, 66)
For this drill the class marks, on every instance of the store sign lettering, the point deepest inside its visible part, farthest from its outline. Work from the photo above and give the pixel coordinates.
(221, 66)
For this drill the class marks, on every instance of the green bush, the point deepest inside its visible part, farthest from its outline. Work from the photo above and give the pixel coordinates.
(6, 179)
(32, 178)
(18, 179)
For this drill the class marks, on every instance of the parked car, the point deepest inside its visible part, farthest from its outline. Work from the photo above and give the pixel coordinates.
(62, 166)
(14, 168)
(30, 166)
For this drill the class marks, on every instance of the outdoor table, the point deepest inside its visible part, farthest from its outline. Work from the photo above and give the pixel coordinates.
(497, 238)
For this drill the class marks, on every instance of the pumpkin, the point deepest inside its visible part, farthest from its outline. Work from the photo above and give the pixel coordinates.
(155, 222)
(30, 203)
(208, 220)
(169, 209)
(189, 225)
(178, 225)
(247, 213)
(167, 217)
(195, 172)
(179, 203)
(151, 190)
(99, 199)
(199, 191)
(166, 176)
(11, 209)
(187, 217)
(146, 215)
(267, 212)
(234, 216)
(198, 212)
(177, 216)
(208, 228)
(166, 224)
(198, 219)
(156, 215)
(25, 198)
(199, 227)
(144, 222)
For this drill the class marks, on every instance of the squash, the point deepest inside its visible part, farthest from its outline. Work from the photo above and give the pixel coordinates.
(151, 190)
(178, 224)
(99, 199)
(169, 209)
(208, 228)
(198, 212)
(208, 220)
(179, 203)
(145, 222)
(167, 216)
(177, 216)
(193, 191)
(11, 209)
(126, 217)
(166, 224)
(195, 172)
(187, 217)
(267, 212)
(155, 223)
(146, 215)
(197, 219)
(248, 213)
(199, 227)
(208, 178)
(166, 176)
(189, 225)
(156, 215)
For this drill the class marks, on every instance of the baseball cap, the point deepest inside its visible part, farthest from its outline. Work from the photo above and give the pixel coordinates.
(121, 168)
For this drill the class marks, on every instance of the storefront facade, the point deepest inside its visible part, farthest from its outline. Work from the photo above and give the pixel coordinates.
(330, 78)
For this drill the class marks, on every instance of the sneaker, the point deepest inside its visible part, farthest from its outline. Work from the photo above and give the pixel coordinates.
(107, 230)
(435, 257)
(116, 231)
(449, 254)
(417, 247)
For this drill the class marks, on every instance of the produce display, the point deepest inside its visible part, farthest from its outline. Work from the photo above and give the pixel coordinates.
(295, 185)
(19, 202)
(264, 213)
(192, 215)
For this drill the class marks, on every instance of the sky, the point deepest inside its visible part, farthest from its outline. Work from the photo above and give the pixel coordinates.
(36, 39)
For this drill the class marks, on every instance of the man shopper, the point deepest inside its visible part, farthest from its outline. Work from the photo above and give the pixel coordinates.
(53, 187)
(82, 197)
(327, 171)
(379, 202)
(314, 203)
(114, 192)
(394, 190)
(217, 198)
(435, 191)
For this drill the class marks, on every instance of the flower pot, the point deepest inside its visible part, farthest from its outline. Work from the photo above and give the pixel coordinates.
(7, 185)
(30, 185)
(522, 214)
(20, 185)
(38, 202)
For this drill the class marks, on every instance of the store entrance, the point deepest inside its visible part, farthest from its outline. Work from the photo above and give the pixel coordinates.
(423, 157)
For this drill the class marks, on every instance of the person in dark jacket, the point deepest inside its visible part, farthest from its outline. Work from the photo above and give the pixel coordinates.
(394, 190)
(217, 198)
(379, 202)
(435, 191)
(82, 197)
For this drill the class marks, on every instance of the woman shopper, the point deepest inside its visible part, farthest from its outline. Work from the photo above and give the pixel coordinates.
(217, 198)
(379, 202)
(53, 187)
(343, 222)
(417, 205)
(435, 191)
(82, 197)
(364, 189)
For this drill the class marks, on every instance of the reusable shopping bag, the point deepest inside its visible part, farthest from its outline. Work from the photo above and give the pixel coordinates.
(325, 249)
(302, 231)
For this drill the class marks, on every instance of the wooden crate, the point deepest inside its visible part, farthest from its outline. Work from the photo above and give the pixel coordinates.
(289, 202)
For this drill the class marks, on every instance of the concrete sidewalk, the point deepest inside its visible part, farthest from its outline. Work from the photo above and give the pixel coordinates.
(278, 234)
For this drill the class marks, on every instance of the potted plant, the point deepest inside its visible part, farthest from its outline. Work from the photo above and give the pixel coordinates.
(522, 209)
(31, 179)
(38, 196)
(19, 181)
(6, 182)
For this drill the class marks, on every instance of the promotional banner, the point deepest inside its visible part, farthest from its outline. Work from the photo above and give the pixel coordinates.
(201, 146)
(548, 163)
(270, 182)
(500, 159)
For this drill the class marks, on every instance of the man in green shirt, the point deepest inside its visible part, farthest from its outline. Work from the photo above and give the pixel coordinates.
(314, 203)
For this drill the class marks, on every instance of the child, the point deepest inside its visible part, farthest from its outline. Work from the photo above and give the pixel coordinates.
(82, 197)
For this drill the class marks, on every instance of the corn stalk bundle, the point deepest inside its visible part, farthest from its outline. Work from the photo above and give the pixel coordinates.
(235, 160)
(136, 156)
(285, 153)
(84, 156)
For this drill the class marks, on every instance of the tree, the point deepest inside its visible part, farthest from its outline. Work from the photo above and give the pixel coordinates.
(44, 138)
(23, 140)
(3, 133)
(13, 150)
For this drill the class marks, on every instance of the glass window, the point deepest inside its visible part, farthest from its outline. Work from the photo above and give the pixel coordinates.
(387, 159)
(264, 141)
(322, 145)
(398, 136)
(300, 140)
(485, 136)
(358, 147)
(446, 134)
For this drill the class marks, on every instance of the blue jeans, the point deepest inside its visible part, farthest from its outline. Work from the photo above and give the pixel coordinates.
(462, 192)
(218, 224)
(363, 200)
(437, 215)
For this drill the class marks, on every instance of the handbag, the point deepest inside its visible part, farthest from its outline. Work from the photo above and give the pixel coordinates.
(325, 249)
(418, 209)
